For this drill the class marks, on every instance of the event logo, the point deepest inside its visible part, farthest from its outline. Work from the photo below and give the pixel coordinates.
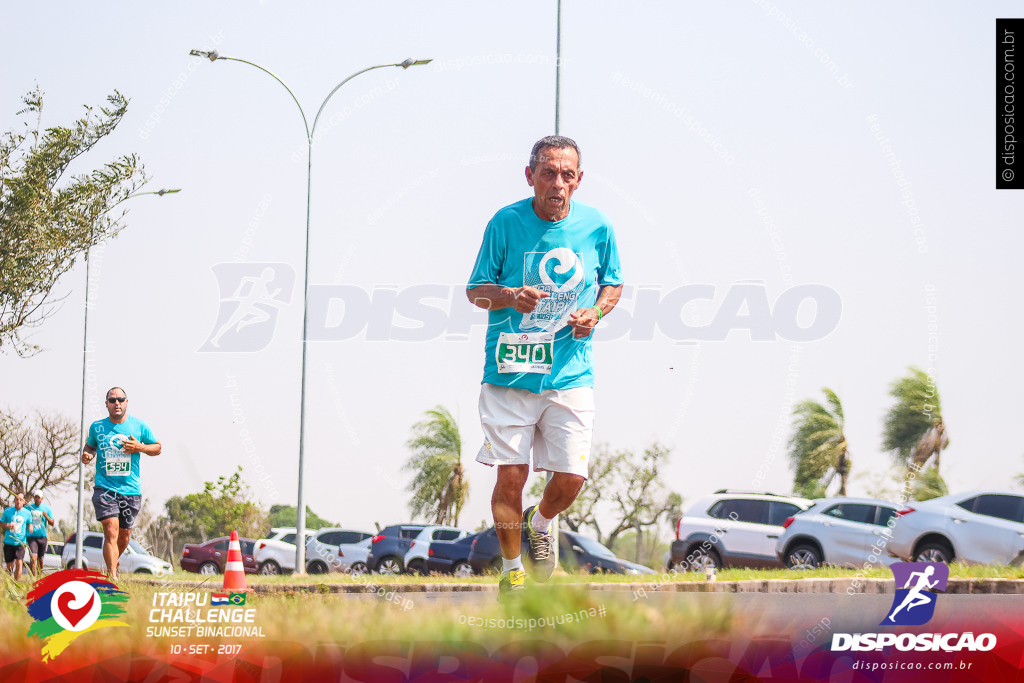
(560, 273)
(913, 605)
(69, 603)
(251, 295)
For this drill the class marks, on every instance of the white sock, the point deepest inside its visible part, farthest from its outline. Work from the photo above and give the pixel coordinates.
(540, 523)
(515, 563)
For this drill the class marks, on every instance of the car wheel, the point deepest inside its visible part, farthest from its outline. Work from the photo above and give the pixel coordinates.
(389, 565)
(702, 561)
(209, 568)
(71, 564)
(803, 556)
(462, 570)
(934, 552)
(358, 568)
(317, 568)
(143, 570)
(270, 568)
(418, 567)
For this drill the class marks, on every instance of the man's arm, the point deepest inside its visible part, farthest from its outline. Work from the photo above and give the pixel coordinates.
(88, 453)
(584, 319)
(493, 297)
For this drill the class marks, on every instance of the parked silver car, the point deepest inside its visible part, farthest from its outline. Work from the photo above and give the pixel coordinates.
(849, 532)
(976, 527)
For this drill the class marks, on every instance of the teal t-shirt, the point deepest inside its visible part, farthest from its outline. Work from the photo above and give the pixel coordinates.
(116, 470)
(21, 518)
(39, 523)
(571, 260)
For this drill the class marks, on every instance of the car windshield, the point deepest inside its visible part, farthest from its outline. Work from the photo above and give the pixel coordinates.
(593, 547)
(136, 547)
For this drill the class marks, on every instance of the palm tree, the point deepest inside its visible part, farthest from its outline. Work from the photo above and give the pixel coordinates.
(439, 486)
(818, 448)
(914, 430)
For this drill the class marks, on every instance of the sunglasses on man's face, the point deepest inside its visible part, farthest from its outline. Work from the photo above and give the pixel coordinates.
(117, 399)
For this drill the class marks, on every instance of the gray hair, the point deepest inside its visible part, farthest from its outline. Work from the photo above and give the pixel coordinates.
(558, 142)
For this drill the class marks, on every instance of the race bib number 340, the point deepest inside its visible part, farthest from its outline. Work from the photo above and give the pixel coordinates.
(526, 352)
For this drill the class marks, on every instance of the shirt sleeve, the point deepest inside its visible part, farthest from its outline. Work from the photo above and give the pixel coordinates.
(490, 258)
(147, 434)
(6, 517)
(609, 273)
(91, 441)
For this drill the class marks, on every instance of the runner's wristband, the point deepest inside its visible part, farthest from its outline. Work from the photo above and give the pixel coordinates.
(600, 313)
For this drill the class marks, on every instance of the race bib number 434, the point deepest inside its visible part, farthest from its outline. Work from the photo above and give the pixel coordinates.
(530, 352)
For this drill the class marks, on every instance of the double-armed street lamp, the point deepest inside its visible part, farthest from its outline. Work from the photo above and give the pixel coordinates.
(213, 56)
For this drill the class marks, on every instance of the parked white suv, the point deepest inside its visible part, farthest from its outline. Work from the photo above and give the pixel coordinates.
(337, 550)
(416, 559)
(732, 529)
(134, 560)
(276, 553)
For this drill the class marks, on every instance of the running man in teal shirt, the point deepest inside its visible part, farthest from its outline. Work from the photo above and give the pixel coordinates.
(547, 271)
(116, 443)
(42, 518)
(17, 521)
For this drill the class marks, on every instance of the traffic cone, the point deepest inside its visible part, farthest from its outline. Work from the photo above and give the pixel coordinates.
(234, 570)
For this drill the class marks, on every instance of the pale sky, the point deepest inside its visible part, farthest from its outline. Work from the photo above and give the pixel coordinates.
(741, 151)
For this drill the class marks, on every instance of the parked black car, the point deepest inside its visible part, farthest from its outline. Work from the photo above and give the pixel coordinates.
(451, 557)
(576, 553)
(388, 548)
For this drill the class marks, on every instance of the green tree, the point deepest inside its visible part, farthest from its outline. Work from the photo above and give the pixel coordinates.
(439, 487)
(818, 449)
(220, 508)
(928, 484)
(46, 220)
(40, 452)
(288, 515)
(914, 430)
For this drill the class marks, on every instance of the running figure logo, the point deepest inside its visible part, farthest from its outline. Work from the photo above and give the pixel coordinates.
(251, 294)
(913, 604)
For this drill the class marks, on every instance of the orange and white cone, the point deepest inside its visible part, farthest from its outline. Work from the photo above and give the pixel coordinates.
(234, 570)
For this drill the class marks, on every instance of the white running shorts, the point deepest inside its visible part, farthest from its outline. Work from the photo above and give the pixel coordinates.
(557, 425)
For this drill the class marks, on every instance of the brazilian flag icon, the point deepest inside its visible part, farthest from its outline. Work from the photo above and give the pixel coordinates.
(237, 599)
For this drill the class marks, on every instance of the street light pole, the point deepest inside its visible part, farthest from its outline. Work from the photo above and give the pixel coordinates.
(213, 56)
(80, 522)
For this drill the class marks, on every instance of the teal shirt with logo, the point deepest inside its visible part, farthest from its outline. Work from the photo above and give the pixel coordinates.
(21, 518)
(116, 470)
(39, 524)
(571, 260)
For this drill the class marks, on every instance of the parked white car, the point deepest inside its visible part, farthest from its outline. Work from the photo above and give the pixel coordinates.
(847, 532)
(337, 550)
(134, 560)
(275, 554)
(416, 558)
(976, 527)
(54, 552)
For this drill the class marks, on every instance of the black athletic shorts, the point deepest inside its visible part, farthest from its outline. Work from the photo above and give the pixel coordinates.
(13, 552)
(109, 504)
(37, 546)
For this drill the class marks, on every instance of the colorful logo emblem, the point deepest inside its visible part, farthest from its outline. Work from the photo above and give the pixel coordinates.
(68, 603)
(913, 604)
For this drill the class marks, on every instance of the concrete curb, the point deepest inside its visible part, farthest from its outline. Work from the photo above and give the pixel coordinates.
(849, 586)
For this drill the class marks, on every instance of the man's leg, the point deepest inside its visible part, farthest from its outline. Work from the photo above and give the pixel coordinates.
(17, 570)
(559, 494)
(111, 544)
(507, 507)
(123, 536)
